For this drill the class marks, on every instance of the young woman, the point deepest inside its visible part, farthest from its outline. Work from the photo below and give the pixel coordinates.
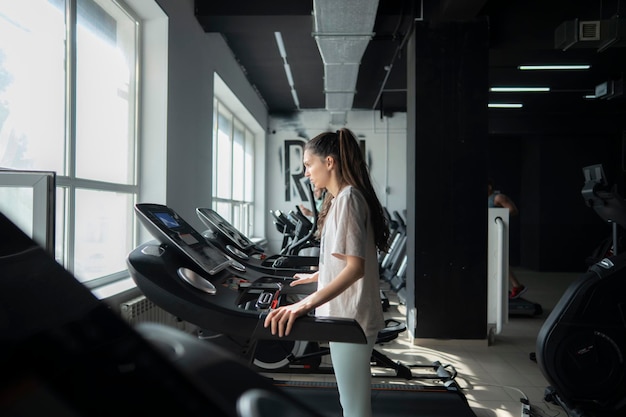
(352, 226)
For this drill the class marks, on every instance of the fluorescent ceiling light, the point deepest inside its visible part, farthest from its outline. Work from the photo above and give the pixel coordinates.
(505, 105)
(590, 96)
(294, 95)
(289, 76)
(281, 45)
(554, 67)
(283, 54)
(518, 89)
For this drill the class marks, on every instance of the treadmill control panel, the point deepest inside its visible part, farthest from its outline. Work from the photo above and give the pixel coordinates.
(218, 224)
(172, 230)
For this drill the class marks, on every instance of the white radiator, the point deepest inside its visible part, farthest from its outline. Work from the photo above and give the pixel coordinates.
(140, 309)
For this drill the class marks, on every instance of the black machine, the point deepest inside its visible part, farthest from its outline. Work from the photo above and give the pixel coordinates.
(606, 202)
(63, 352)
(297, 230)
(581, 348)
(235, 244)
(236, 305)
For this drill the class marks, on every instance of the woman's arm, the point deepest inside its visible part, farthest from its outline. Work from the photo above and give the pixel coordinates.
(504, 201)
(282, 319)
(301, 278)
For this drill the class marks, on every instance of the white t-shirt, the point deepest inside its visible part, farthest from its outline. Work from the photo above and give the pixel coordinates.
(348, 231)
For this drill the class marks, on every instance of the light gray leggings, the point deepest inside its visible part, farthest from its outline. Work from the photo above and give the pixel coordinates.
(351, 364)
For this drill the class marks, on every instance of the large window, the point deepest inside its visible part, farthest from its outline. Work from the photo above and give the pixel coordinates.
(68, 92)
(233, 169)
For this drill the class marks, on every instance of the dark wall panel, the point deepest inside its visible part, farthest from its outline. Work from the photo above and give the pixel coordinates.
(449, 157)
(542, 173)
(567, 230)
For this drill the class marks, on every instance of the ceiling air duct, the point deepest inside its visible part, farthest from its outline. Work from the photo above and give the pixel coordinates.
(597, 34)
(342, 30)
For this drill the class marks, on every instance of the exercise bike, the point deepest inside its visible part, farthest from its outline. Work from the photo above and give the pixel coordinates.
(581, 347)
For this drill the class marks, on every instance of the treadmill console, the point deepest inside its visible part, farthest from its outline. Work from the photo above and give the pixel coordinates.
(218, 224)
(172, 230)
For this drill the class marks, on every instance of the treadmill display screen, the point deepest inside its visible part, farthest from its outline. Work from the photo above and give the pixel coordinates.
(167, 220)
(171, 229)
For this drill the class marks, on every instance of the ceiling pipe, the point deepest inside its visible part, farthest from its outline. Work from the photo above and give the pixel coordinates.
(342, 31)
(399, 49)
(389, 67)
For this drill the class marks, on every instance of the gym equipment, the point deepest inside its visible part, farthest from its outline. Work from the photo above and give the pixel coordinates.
(234, 243)
(393, 264)
(605, 200)
(581, 347)
(254, 398)
(289, 357)
(298, 231)
(238, 309)
(66, 353)
(237, 306)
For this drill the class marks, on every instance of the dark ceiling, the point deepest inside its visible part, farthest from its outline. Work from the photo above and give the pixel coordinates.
(521, 32)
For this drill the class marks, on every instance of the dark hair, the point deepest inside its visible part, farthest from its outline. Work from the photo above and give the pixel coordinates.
(351, 169)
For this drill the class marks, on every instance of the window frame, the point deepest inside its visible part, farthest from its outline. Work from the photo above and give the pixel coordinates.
(241, 210)
(70, 183)
(67, 183)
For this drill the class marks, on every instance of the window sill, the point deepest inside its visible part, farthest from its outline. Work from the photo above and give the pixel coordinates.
(115, 288)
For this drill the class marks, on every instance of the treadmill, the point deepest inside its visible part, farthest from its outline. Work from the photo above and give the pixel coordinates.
(161, 271)
(63, 352)
(183, 274)
(235, 244)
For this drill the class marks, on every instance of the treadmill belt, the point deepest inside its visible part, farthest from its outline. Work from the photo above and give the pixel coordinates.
(388, 400)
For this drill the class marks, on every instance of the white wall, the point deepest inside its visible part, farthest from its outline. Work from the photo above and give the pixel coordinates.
(385, 145)
(152, 170)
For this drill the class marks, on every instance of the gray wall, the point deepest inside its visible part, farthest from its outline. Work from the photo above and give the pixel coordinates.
(193, 57)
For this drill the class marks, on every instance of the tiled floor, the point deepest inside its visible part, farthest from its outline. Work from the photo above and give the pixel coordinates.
(493, 377)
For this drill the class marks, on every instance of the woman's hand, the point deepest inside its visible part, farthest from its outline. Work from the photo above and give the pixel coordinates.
(306, 211)
(282, 319)
(303, 279)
